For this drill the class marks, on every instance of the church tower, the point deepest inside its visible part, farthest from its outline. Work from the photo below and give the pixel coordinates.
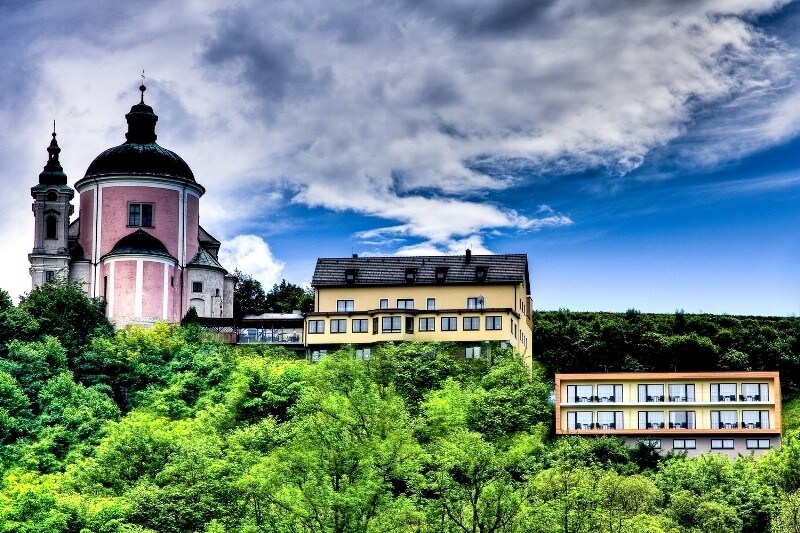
(52, 208)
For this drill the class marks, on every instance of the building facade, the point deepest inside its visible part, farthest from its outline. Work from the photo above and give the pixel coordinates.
(729, 413)
(137, 241)
(471, 299)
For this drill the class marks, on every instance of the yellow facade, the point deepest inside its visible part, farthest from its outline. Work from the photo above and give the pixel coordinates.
(415, 313)
(729, 412)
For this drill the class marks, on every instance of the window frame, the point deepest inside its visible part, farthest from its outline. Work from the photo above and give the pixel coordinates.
(408, 303)
(383, 303)
(451, 320)
(722, 444)
(472, 352)
(345, 306)
(471, 323)
(429, 321)
(363, 325)
(392, 328)
(758, 444)
(430, 304)
(316, 327)
(338, 325)
(494, 322)
(140, 216)
(684, 444)
(195, 285)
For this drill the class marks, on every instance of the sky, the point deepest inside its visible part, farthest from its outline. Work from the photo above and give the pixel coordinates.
(643, 154)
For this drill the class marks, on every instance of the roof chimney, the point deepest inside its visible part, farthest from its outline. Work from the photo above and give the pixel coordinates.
(469, 255)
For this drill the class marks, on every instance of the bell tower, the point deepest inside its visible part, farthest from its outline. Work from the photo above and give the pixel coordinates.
(52, 208)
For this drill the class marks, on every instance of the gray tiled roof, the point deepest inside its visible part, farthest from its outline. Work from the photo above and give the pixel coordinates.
(370, 271)
(203, 259)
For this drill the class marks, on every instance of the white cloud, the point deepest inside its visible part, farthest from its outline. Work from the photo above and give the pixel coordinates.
(251, 255)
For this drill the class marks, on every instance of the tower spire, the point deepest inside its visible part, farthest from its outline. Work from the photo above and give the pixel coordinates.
(142, 87)
(53, 173)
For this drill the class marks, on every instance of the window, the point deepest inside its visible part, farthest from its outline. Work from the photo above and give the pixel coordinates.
(579, 420)
(350, 276)
(441, 274)
(384, 303)
(475, 302)
(338, 325)
(755, 419)
(360, 325)
(472, 352)
(609, 420)
(140, 215)
(391, 324)
(723, 420)
(579, 393)
(51, 227)
(316, 326)
(651, 420)
(52, 196)
(449, 323)
(197, 286)
(480, 273)
(757, 444)
(316, 354)
(494, 322)
(363, 354)
(609, 393)
(681, 393)
(427, 324)
(49, 275)
(723, 392)
(409, 324)
(345, 306)
(684, 444)
(472, 323)
(681, 420)
(754, 392)
(411, 275)
(721, 444)
(651, 393)
(405, 304)
(651, 443)
(430, 305)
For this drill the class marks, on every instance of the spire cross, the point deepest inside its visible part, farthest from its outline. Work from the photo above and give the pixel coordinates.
(142, 87)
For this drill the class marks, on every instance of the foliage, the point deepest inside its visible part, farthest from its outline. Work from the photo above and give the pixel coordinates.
(248, 297)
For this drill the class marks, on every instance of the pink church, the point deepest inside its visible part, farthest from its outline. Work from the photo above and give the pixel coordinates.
(137, 241)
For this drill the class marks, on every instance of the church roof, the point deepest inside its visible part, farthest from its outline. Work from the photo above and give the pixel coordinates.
(140, 155)
(139, 243)
(53, 173)
(203, 259)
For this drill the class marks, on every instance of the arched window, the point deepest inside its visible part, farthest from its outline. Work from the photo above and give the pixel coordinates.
(52, 196)
(51, 227)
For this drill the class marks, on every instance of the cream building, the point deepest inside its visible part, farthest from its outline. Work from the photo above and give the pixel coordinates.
(723, 412)
(474, 300)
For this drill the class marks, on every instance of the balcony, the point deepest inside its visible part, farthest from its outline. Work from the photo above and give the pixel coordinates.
(655, 398)
(728, 425)
(751, 425)
(754, 398)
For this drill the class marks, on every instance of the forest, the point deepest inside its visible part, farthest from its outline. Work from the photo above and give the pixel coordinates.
(168, 430)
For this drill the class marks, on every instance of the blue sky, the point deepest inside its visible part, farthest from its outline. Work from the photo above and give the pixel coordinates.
(643, 154)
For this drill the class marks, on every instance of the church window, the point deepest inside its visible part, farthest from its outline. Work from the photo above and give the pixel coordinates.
(51, 227)
(52, 196)
(197, 286)
(49, 275)
(140, 215)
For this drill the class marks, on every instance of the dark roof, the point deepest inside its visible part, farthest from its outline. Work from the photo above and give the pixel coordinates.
(203, 259)
(53, 173)
(371, 271)
(139, 243)
(140, 155)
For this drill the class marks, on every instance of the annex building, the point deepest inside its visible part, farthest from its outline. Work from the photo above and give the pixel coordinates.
(137, 241)
(475, 300)
(730, 413)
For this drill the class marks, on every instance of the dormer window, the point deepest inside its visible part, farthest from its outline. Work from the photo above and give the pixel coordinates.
(480, 273)
(441, 274)
(411, 275)
(350, 276)
(52, 196)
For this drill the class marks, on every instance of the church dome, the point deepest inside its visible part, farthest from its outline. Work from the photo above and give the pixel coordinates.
(140, 155)
(139, 243)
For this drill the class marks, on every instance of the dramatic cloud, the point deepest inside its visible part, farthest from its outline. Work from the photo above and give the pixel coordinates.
(424, 115)
(251, 255)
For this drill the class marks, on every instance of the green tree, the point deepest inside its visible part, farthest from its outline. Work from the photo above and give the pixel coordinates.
(287, 297)
(248, 297)
(63, 311)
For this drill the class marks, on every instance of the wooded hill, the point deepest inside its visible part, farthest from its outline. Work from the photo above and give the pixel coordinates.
(168, 430)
